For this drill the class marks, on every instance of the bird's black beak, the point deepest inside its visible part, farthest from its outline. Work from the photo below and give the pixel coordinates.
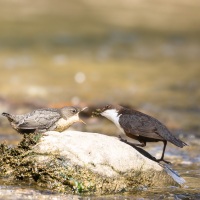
(98, 111)
(84, 109)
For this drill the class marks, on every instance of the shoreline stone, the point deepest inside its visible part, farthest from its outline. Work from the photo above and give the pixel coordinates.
(89, 163)
(102, 159)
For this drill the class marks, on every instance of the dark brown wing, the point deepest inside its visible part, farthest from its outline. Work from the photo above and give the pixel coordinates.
(147, 126)
(139, 126)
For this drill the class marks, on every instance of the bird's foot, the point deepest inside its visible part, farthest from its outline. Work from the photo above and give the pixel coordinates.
(45, 134)
(167, 162)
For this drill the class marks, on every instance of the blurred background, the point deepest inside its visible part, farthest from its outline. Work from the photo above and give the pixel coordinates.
(141, 53)
(144, 54)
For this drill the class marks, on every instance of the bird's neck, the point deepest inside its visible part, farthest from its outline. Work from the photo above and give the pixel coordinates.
(112, 114)
(63, 124)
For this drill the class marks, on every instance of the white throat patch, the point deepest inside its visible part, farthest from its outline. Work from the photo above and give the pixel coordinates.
(113, 116)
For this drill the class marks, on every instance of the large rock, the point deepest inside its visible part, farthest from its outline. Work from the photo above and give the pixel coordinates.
(91, 162)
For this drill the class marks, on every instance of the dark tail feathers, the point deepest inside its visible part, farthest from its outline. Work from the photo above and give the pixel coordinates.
(178, 142)
(8, 116)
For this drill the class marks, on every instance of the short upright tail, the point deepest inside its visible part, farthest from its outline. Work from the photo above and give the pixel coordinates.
(8, 116)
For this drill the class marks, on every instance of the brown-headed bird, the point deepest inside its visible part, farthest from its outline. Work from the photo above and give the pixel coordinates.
(140, 126)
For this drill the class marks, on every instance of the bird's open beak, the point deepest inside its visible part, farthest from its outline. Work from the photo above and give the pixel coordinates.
(80, 120)
(84, 109)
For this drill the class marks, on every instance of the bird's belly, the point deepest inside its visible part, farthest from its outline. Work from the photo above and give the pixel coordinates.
(62, 125)
(143, 138)
(147, 139)
(119, 127)
(133, 136)
(14, 126)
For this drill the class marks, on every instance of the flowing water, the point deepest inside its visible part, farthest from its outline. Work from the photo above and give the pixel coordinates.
(163, 97)
(142, 54)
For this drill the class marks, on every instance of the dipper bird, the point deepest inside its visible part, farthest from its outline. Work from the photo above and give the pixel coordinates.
(140, 126)
(42, 120)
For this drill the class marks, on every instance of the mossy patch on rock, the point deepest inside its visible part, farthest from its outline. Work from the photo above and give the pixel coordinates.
(52, 167)
(11, 158)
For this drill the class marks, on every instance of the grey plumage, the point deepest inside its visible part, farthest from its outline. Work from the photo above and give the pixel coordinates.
(43, 120)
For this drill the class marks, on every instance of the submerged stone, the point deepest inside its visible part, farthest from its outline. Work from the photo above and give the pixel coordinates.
(82, 162)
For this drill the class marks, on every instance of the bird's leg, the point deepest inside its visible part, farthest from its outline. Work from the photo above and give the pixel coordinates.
(163, 153)
(164, 147)
(142, 143)
(121, 139)
(142, 151)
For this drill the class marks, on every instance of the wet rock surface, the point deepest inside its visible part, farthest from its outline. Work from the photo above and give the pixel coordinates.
(81, 162)
(9, 192)
(102, 154)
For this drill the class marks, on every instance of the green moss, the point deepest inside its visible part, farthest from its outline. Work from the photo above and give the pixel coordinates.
(11, 158)
(56, 173)
(29, 140)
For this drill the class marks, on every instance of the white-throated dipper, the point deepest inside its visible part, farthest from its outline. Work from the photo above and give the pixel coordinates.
(47, 119)
(140, 126)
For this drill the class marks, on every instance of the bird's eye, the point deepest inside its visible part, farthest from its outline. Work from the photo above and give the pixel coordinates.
(73, 110)
(107, 106)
